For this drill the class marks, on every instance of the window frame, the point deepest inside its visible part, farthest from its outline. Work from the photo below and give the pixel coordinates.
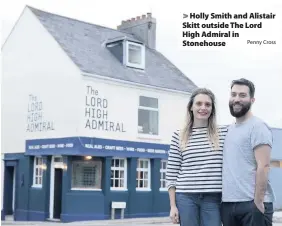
(96, 162)
(124, 188)
(40, 170)
(162, 170)
(148, 109)
(126, 55)
(148, 188)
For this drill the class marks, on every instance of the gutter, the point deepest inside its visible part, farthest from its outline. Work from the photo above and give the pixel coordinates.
(130, 84)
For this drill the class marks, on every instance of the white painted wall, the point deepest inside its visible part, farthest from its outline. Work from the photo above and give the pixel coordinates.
(37, 74)
(123, 102)
(34, 64)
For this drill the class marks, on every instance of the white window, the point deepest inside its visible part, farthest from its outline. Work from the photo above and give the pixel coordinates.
(135, 55)
(37, 172)
(163, 174)
(148, 116)
(118, 174)
(86, 175)
(143, 177)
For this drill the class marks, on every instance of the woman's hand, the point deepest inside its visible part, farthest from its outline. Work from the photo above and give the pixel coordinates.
(174, 215)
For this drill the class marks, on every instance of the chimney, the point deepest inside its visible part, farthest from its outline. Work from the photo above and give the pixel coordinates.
(142, 27)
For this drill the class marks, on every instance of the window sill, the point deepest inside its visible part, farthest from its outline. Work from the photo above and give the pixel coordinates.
(119, 189)
(86, 189)
(36, 186)
(163, 189)
(143, 189)
(148, 136)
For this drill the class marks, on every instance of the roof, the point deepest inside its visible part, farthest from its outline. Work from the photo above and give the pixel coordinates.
(84, 43)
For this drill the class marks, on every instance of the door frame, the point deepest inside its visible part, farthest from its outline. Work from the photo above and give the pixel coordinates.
(54, 165)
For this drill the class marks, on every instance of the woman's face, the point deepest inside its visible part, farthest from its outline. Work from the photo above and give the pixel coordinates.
(202, 107)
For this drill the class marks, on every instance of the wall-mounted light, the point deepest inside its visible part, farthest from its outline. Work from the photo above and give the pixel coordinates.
(88, 157)
(44, 166)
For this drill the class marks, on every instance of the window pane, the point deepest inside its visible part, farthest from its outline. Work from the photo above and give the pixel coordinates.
(145, 175)
(148, 121)
(112, 183)
(113, 162)
(116, 183)
(141, 184)
(146, 164)
(112, 173)
(141, 164)
(121, 174)
(145, 183)
(135, 54)
(117, 162)
(121, 162)
(36, 180)
(116, 174)
(148, 102)
(163, 184)
(122, 183)
(141, 174)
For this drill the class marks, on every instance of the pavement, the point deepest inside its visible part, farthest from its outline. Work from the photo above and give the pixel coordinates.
(157, 221)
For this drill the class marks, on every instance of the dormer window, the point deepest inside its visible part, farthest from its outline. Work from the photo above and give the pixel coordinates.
(135, 55)
(130, 52)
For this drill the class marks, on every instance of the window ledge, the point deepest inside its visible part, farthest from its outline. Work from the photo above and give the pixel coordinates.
(148, 136)
(36, 186)
(86, 189)
(163, 189)
(119, 189)
(143, 189)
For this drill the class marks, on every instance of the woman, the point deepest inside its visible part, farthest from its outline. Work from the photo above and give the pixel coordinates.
(194, 165)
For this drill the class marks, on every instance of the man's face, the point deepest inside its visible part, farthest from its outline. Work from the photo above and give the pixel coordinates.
(240, 101)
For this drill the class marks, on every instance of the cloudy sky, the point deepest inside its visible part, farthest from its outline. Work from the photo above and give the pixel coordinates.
(213, 68)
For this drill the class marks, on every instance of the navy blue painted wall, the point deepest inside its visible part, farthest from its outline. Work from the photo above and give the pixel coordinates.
(33, 203)
(80, 205)
(276, 182)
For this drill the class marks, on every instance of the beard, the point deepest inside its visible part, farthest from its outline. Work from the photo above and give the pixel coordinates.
(244, 109)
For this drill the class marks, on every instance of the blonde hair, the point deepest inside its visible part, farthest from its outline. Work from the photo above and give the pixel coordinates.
(186, 132)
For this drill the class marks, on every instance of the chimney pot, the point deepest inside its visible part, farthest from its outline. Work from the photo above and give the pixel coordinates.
(138, 18)
(143, 16)
(149, 15)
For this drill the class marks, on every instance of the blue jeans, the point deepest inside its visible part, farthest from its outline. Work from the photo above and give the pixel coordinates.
(200, 209)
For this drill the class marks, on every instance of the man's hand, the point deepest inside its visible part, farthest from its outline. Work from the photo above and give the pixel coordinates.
(260, 206)
(174, 215)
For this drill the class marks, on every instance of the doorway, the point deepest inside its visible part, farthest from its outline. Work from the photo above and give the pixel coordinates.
(57, 210)
(56, 188)
(9, 189)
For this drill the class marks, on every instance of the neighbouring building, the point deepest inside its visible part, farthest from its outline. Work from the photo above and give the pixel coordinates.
(87, 117)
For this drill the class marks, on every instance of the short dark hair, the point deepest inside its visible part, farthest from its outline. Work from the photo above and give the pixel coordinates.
(246, 82)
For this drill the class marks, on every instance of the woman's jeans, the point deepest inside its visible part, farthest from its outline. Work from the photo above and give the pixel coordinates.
(199, 209)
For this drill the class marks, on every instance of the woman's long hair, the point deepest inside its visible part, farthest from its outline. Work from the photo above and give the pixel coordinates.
(212, 125)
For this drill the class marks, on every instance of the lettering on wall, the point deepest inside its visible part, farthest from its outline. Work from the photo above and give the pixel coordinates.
(97, 113)
(35, 119)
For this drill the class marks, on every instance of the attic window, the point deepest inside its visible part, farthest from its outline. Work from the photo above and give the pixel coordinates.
(135, 55)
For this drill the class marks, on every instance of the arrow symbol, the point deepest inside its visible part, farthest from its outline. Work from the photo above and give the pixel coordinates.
(185, 15)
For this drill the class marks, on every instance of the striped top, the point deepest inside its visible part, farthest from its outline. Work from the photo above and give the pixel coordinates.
(198, 168)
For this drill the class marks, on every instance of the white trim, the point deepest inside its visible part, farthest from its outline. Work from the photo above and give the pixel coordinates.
(126, 54)
(124, 188)
(144, 170)
(54, 165)
(132, 84)
(118, 189)
(143, 189)
(86, 189)
(14, 189)
(163, 189)
(162, 170)
(34, 185)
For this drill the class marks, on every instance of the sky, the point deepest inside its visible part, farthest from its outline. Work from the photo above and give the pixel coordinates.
(213, 68)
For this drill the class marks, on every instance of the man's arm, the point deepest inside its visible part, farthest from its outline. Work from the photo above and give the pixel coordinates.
(262, 155)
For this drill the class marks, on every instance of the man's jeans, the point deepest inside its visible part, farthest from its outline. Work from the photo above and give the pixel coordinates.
(246, 214)
(201, 209)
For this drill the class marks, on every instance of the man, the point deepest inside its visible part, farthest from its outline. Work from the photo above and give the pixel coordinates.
(247, 196)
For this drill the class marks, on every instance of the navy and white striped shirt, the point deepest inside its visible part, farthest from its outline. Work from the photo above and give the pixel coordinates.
(198, 168)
